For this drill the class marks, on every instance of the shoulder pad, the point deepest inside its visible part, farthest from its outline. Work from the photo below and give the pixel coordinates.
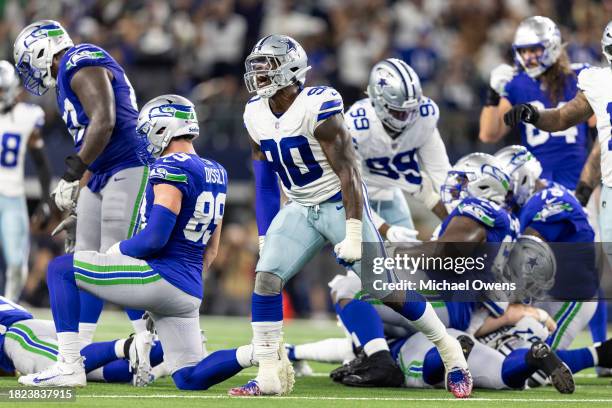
(323, 101)
(85, 54)
(479, 210)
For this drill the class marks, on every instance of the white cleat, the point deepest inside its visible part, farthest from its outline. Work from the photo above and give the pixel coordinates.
(287, 374)
(269, 377)
(140, 363)
(60, 374)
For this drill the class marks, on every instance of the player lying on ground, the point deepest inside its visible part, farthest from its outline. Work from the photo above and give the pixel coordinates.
(298, 135)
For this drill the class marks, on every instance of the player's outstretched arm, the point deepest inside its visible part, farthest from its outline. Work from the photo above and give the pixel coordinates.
(492, 127)
(576, 111)
(336, 143)
(92, 85)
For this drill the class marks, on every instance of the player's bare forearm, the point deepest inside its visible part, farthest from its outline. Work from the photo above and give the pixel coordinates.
(492, 127)
(576, 111)
(212, 247)
(338, 148)
(92, 85)
(440, 210)
(43, 167)
(256, 153)
(591, 172)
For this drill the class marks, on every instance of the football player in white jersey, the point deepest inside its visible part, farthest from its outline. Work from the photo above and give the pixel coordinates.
(20, 125)
(396, 137)
(298, 135)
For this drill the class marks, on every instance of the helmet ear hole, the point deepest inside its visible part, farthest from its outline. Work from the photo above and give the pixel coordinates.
(161, 131)
(40, 53)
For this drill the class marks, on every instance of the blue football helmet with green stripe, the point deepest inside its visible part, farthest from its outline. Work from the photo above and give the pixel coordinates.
(164, 118)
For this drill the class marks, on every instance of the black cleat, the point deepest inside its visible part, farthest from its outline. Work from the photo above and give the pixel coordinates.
(604, 354)
(467, 344)
(339, 373)
(544, 358)
(377, 370)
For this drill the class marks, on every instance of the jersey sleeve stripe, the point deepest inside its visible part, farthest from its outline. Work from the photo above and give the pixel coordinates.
(330, 104)
(326, 115)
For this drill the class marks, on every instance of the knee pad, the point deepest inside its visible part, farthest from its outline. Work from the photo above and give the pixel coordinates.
(267, 284)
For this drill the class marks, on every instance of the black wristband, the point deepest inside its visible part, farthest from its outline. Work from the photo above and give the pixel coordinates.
(492, 98)
(530, 114)
(74, 168)
(583, 192)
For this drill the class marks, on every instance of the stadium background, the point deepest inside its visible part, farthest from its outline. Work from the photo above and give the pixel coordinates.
(197, 47)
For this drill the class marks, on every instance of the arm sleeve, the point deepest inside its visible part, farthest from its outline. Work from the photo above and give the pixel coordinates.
(267, 195)
(153, 237)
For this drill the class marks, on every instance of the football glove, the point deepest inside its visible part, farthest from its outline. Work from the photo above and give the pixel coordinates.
(349, 249)
(68, 225)
(397, 233)
(521, 113)
(500, 76)
(67, 190)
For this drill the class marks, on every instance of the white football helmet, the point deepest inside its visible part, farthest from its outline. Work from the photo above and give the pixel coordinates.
(395, 91)
(606, 42)
(531, 263)
(9, 85)
(477, 175)
(542, 32)
(164, 118)
(524, 170)
(275, 62)
(33, 52)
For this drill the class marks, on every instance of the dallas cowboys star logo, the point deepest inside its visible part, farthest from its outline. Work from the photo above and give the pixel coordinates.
(290, 44)
(532, 262)
(382, 82)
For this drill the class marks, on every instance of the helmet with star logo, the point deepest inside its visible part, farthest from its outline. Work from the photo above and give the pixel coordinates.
(606, 42)
(275, 62)
(395, 92)
(532, 264)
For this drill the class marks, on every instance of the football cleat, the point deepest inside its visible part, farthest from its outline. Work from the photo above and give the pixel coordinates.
(377, 370)
(287, 373)
(250, 389)
(139, 357)
(459, 382)
(60, 374)
(268, 381)
(458, 378)
(540, 355)
(603, 372)
(345, 369)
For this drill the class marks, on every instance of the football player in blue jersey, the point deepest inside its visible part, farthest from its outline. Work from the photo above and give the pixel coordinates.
(552, 213)
(160, 268)
(544, 78)
(298, 136)
(98, 105)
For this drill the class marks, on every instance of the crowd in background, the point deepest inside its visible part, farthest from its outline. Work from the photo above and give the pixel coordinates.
(197, 47)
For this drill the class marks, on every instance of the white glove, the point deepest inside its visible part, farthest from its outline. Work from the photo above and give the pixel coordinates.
(349, 250)
(262, 239)
(68, 224)
(397, 233)
(114, 249)
(65, 194)
(500, 76)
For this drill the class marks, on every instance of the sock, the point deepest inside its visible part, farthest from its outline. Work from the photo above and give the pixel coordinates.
(119, 347)
(433, 367)
(99, 354)
(578, 359)
(429, 324)
(91, 308)
(86, 332)
(63, 295)
(160, 370)
(217, 367)
(599, 322)
(328, 351)
(156, 356)
(69, 346)
(117, 371)
(136, 319)
(244, 356)
(515, 370)
(267, 323)
(414, 306)
(96, 375)
(361, 319)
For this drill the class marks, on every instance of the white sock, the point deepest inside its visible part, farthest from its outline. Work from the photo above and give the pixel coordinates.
(329, 350)
(139, 325)
(96, 375)
(430, 325)
(244, 355)
(266, 339)
(594, 354)
(375, 345)
(119, 344)
(86, 332)
(69, 346)
(160, 370)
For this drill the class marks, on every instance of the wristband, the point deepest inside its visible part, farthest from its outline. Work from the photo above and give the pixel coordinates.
(492, 98)
(75, 168)
(583, 193)
(353, 230)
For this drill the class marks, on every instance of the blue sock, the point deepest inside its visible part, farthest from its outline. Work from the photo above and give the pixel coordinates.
(291, 353)
(217, 367)
(433, 367)
(117, 371)
(515, 369)
(266, 308)
(414, 306)
(91, 307)
(361, 319)
(157, 354)
(577, 359)
(63, 294)
(599, 321)
(98, 354)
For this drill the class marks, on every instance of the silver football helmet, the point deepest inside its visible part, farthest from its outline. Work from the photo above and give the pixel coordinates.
(524, 170)
(541, 32)
(606, 42)
(164, 118)
(395, 91)
(33, 52)
(477, 175)
(532, 264)
(275, 62)
(9, 85)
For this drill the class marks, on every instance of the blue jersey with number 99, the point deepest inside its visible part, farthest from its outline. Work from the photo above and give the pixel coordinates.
(203, 184)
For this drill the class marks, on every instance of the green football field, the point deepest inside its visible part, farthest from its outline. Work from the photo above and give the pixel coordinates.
(319, 390)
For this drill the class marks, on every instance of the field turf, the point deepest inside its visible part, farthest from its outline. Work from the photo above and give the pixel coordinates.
(224, 332)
